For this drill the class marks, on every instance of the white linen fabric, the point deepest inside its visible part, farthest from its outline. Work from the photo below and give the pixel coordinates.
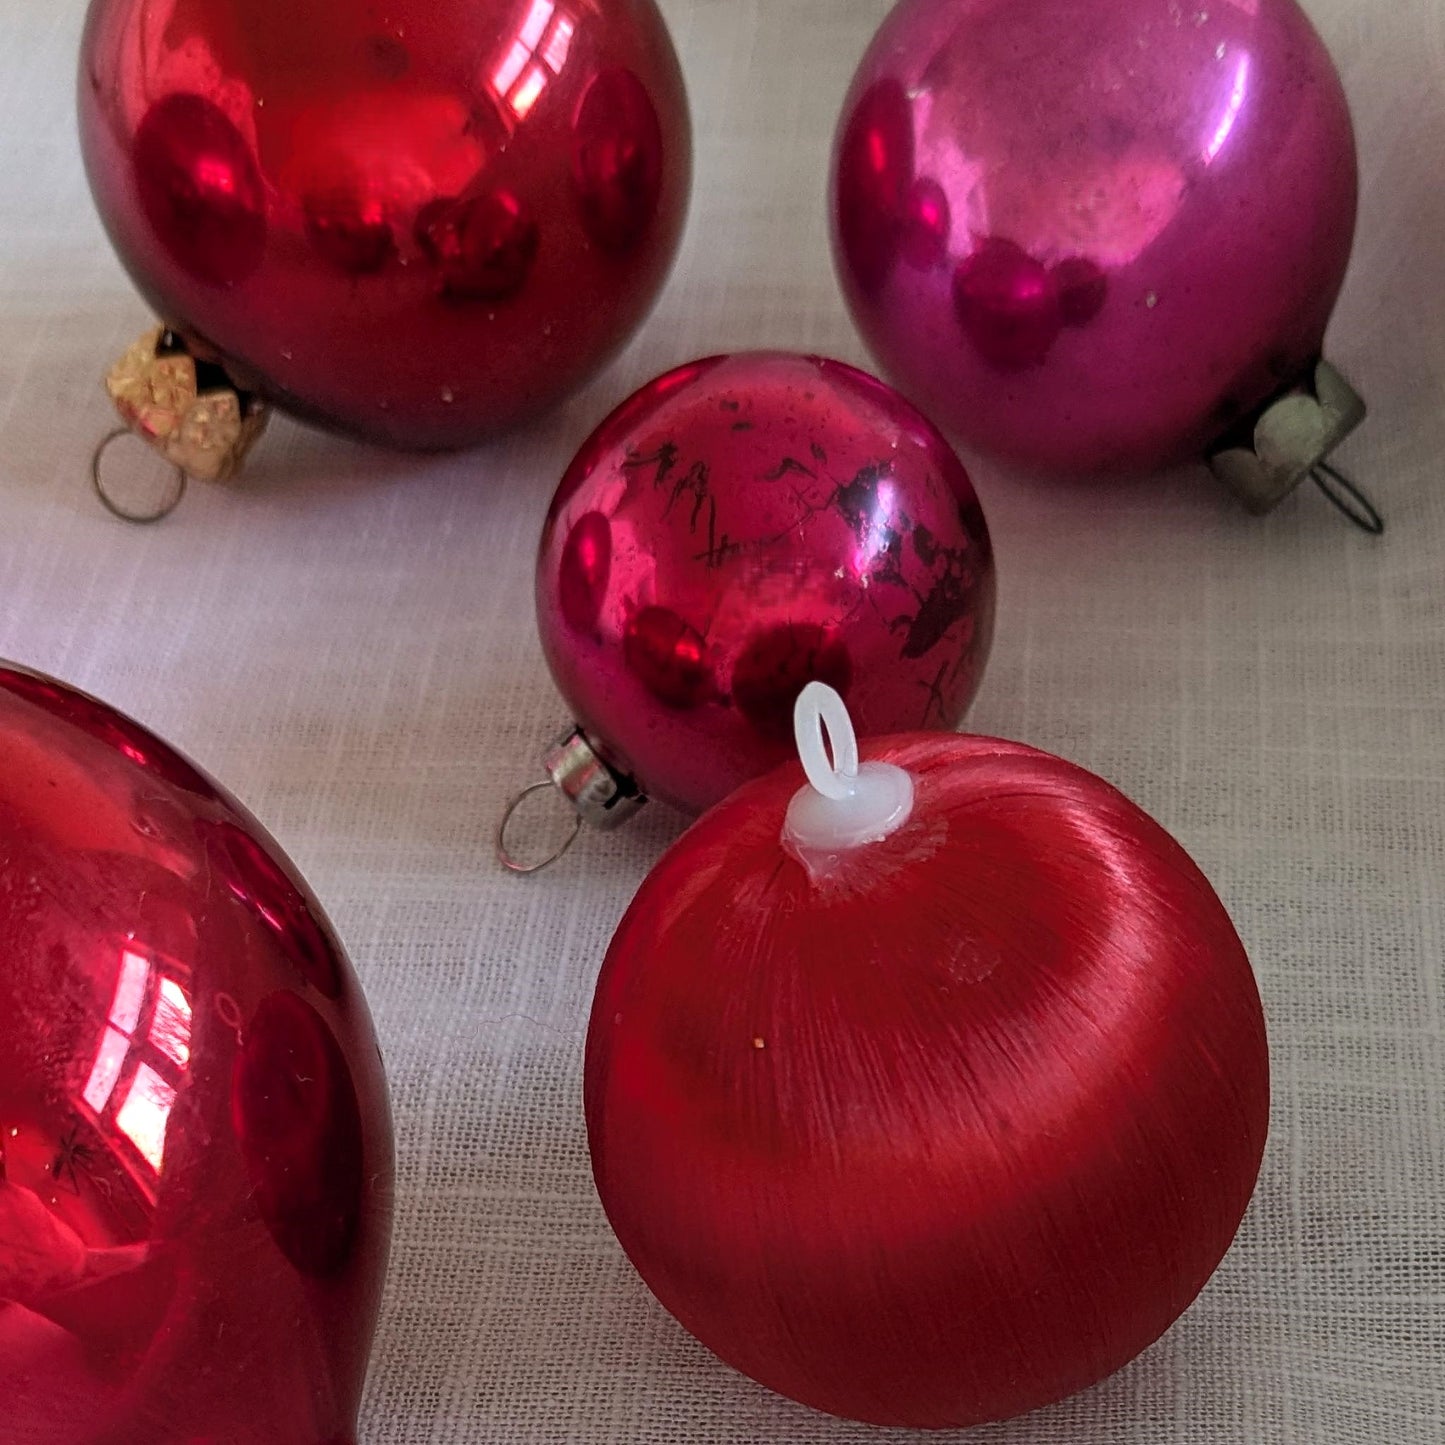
(346, 640)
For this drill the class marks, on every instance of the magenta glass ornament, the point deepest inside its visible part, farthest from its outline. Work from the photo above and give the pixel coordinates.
(195, 1141)
(741, 527)
(417, 222)
(1100, 236)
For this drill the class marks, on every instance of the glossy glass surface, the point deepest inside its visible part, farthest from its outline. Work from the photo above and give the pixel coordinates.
(195, 1141)
(1089, 235)
(739, 528)
(418, 222)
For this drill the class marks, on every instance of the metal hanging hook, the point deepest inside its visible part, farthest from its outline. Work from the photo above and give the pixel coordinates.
(168, 505)
(504, 854)
(1348, 499)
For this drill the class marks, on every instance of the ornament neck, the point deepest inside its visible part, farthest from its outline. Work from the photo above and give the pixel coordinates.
(598, 794)
(1267, 455)
(845, 805)
(186, 408)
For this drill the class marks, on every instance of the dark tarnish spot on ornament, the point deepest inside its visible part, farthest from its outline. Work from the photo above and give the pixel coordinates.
(1008, 305)
(387, 56)
(298, 1123)
(875, 172)
(107, 726)
(585, 571)
(259, 883)
(484, 248)
(668, 658)
(777, 664)
(200, 189)
(970, 514)
(926, 229)
(949, 599)
(617, 159)
(1083, 289)
(350, 230)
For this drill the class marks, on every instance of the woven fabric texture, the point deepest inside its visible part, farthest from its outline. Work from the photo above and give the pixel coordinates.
(346, 639)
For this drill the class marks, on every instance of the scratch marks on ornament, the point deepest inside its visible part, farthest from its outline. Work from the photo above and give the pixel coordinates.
(664, 459)
(935, 701)
(789, 466)
(71, 1160)
(697, 485)
(944, 684)
(696, 482)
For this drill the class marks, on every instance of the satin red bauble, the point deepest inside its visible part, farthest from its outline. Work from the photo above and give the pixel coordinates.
(1094, 235)
(743, 526)
(418, 222)
(195, 1141)
(943, 1131)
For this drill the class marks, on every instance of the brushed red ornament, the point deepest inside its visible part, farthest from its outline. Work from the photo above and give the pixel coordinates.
(418, 223)
(935, 1129)
(743, 526)
(195, 1140)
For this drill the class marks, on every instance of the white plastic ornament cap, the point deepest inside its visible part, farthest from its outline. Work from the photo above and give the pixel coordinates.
(844, 806)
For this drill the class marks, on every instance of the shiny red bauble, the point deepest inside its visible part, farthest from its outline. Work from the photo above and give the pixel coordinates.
(741, 527)
(1094, 235)
(195, 1141)
(417, 222)
(948, 1126)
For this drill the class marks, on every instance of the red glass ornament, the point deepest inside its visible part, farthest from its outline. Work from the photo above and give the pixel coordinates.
(936, 1129)
(1094, 235)
(195, 1141)
(740, 527)
(418, 223)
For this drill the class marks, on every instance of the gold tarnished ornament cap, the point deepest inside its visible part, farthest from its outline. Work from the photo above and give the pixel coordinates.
(191, 414)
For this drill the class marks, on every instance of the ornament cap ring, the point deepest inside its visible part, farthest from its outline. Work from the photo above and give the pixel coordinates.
(1348, 499)
(505, 856)
(169, 502)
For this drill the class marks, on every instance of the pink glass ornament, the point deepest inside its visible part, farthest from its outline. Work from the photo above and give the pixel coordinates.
(739, 528)
(419, 222)
(195, 1141)
(1095, 235)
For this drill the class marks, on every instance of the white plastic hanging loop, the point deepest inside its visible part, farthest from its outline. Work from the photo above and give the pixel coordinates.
(844, 806)
(817, 710)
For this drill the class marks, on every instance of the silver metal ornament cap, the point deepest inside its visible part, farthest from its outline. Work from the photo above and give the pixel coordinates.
(600, 796)
(603, 797)
(1289, 440)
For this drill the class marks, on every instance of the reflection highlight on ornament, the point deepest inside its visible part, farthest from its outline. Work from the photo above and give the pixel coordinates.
(875, 531)
(1231, 111)
(156, 1055)
(536, 57)
(201, 189)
